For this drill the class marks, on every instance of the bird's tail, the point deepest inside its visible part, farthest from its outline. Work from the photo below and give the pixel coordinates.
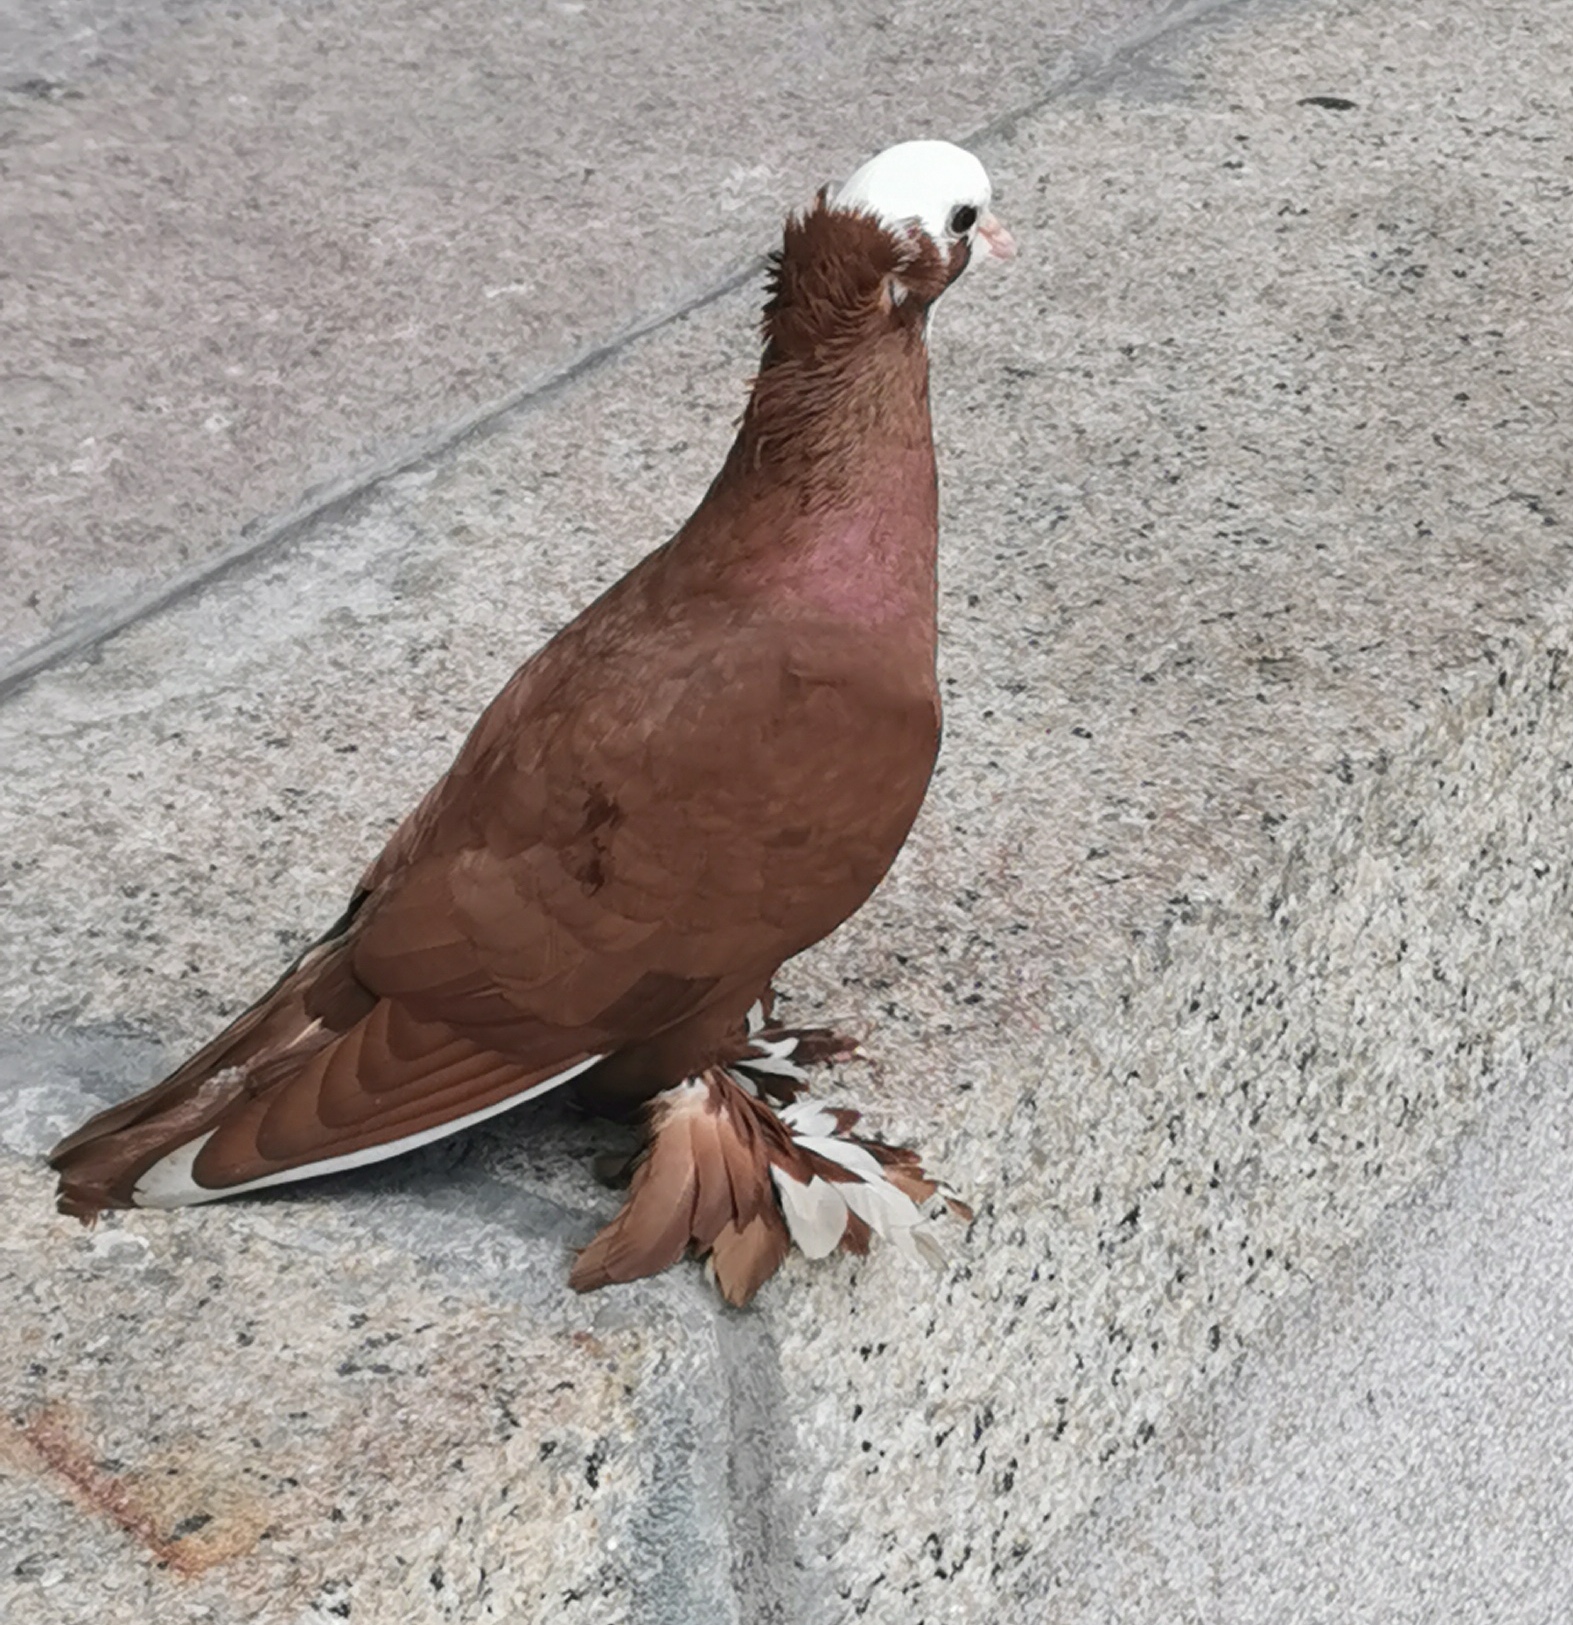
(319, 1076)
(310, 1006)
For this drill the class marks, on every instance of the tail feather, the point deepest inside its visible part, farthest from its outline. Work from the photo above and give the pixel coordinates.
(314, 1000)
(100, 1163)
(319, 1075)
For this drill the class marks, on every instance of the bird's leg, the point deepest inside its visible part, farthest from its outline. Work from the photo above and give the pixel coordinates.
(615, 1169)
(738, 1181)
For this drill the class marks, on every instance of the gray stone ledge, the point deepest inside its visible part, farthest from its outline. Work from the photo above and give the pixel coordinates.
(1240, 894)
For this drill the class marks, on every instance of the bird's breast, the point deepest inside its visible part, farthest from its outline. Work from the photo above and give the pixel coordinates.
(865, 570)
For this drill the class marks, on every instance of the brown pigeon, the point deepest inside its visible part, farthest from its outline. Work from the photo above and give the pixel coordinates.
(708, 770)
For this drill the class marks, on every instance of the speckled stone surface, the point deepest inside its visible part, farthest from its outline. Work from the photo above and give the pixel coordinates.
(256, 251)
(1243, 888)
(1428, 1428)
(372, 1401)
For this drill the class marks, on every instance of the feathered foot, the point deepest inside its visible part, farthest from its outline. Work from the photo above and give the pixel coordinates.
(729, 1176)
(778, 1058)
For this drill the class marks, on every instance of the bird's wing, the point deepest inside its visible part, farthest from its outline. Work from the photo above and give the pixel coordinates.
(592, 873)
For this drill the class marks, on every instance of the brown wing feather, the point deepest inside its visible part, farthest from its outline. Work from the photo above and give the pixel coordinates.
(359, 1092)
(735, 816)
(312, 1000)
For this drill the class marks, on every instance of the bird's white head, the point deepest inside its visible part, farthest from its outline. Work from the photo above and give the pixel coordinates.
(940, 188)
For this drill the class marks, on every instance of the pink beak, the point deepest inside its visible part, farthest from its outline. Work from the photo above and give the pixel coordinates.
(999, 242)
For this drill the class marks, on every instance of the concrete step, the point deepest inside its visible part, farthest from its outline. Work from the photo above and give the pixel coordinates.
(1242, 889)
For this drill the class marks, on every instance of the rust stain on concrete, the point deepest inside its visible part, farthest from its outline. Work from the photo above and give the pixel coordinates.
(48, 1439)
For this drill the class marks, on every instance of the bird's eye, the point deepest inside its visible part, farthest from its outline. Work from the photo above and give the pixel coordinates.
(962, 219)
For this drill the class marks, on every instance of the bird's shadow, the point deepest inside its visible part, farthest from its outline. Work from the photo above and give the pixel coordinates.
(529, 1170)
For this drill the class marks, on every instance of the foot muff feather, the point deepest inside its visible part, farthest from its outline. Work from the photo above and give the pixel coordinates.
(737, 1181)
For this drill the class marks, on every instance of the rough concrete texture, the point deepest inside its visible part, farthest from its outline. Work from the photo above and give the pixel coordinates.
(1429, 1427)
(392, 1408)
(254, 251)
(1242, 890)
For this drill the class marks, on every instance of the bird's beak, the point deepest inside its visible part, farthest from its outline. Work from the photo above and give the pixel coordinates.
(999, 242)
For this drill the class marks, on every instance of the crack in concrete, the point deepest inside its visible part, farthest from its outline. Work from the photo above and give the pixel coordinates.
(762, 1521)
(714, 1534)
(724, 1440)
(261, 539)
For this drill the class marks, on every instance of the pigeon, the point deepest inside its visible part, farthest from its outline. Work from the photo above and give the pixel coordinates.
(705, 772)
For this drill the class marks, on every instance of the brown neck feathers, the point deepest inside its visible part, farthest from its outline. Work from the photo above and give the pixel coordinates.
(845, 369)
